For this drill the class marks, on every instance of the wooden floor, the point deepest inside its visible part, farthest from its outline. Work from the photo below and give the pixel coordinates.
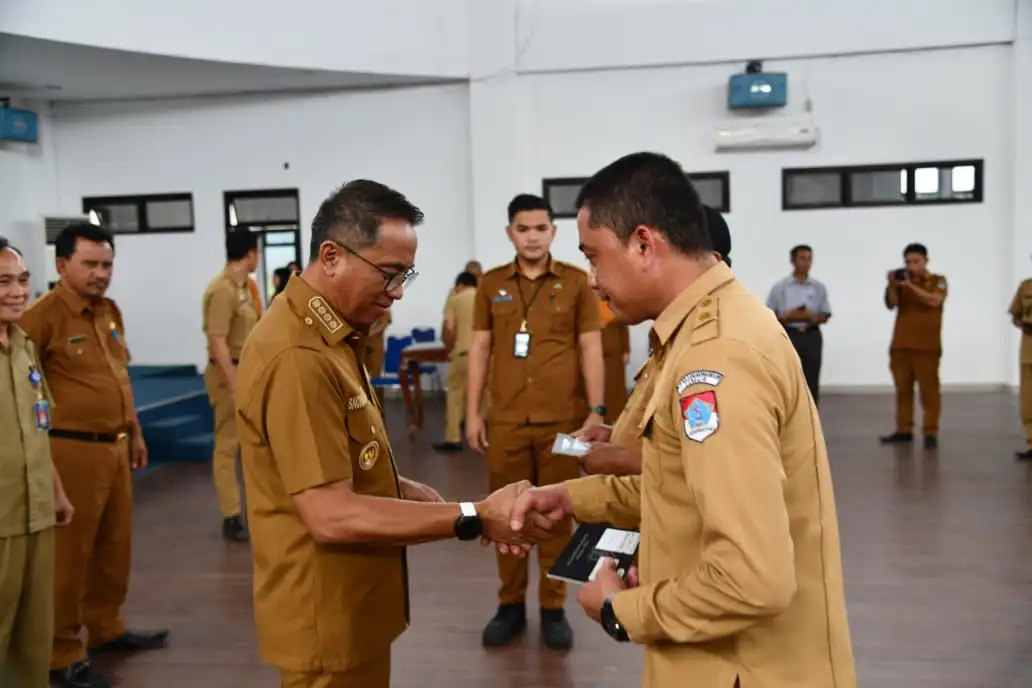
(937, 548)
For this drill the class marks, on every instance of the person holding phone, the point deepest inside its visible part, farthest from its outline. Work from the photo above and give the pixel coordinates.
(917, 296)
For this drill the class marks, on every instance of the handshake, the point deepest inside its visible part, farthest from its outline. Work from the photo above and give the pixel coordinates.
(518, 516)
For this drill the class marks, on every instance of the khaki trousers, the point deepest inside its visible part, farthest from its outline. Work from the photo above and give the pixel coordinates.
(93, 553)
(227, 446)
(909, 366)
(375, 673)
(1026, 401)
(455, 409)
(524, 452)
(26, 609)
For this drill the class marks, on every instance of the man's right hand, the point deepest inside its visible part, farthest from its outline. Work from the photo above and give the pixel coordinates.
(594, 433)
(496, 514)
(476, 432)
(551, 502)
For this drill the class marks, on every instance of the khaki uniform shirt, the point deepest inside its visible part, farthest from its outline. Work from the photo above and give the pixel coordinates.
(919, 326)
(1021, 308)
(739, 563)
(229, 311)
(26, 471)
(626, 430)
(461, 306)
(306, 417)
(559, 306)
(85, 359)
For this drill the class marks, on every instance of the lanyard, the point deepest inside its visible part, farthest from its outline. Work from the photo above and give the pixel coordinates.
(539, 282)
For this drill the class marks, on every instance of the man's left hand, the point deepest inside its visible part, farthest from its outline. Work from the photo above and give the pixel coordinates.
(607, 581)
(418, 492)
(138, 452)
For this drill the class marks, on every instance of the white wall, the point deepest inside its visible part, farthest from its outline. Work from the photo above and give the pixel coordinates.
(871, 109)
(28, 188)
(413, 139)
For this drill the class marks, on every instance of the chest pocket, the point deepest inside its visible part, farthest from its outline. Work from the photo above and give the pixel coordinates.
(563, 307)
(371, 467)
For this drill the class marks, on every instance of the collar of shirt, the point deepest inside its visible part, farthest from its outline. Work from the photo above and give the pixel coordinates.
(236, 278)
(316, 312)
(553, 268)
(17, 338)
(680, 308)
(76, 303)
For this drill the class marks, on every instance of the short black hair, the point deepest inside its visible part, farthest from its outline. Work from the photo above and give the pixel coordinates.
(647, 189)
(466, 279)
(352, 214)
(239, 242)
(64, 244)
(797, 248)
(524, 202)
(916, 248)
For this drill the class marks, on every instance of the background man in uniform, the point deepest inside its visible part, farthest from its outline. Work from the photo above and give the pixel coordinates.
(616, 449)
(95, 442)
(32, 499)
(456, 333)
(228, 317)
(538, 320)
(1021, 316)
(616, 352)
(801, 304)
(318, 466)
(916, 349)
(741, 577)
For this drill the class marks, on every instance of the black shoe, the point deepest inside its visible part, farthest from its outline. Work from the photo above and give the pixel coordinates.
(448, 447)
(897, 438)
(79, 675)
(931, 442)
(233, 529)
(135, 641)
(508, 623)
(1024, 456)
(555, 629)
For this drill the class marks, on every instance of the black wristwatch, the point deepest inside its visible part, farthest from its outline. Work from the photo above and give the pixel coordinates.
(468, 526)
(600, 410)
(610, 623)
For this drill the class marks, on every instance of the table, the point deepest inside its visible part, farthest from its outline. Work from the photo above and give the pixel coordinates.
(412, 356)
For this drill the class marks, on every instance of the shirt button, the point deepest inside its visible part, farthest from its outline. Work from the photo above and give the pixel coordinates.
(372, 429)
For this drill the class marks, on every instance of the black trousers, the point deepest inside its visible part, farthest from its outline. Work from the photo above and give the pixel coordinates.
(809, 344)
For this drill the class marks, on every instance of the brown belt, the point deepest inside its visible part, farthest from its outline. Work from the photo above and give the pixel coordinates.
(103, 437)
(236, 361)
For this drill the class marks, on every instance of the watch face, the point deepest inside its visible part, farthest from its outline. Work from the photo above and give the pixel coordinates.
(468, 527)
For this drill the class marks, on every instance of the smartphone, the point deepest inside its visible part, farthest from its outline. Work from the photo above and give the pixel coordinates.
(901, 274)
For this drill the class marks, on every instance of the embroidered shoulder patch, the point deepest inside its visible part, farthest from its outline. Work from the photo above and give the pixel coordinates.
(701, 418)
(699, 377)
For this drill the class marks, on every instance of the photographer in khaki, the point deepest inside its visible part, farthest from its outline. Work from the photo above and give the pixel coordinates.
(917, 295)
(1021, 316)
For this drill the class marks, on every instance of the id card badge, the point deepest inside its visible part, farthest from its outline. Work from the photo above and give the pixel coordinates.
(521, 345)
(42, 412)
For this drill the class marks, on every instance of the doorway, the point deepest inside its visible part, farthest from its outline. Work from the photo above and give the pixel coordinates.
(274, 215)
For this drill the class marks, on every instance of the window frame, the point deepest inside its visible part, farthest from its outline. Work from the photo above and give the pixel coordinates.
(548, 183)
(90, 203)
(909, 200)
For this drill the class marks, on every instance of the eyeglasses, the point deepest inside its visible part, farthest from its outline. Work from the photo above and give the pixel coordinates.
(394, 280)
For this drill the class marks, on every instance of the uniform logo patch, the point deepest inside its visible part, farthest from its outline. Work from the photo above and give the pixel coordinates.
(699, 377)
(368, 456)
(701, 418)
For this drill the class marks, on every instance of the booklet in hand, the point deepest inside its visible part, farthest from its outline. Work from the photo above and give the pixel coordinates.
(592, 543)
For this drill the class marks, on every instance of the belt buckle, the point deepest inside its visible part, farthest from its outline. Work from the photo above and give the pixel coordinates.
(121, 436)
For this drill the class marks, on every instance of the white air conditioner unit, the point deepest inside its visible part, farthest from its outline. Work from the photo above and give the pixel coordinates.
(757, 133)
